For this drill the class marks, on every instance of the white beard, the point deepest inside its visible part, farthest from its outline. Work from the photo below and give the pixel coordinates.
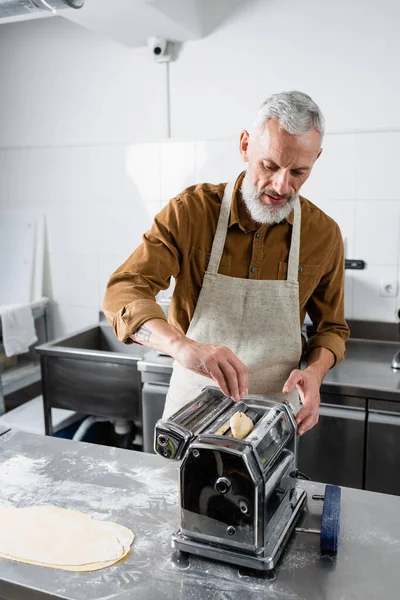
(260, 212)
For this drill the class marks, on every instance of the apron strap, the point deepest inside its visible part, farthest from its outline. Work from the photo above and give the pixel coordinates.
(222, 228)
(293, 264)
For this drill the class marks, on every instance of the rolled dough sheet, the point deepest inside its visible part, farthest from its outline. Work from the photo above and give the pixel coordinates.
(61, 539)
(241, 425)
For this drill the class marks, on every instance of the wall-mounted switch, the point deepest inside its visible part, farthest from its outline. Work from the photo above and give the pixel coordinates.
(389, 289)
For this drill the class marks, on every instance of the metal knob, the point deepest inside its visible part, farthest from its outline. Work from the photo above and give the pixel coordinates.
(244, 507)
(162, 439)
(223, 485)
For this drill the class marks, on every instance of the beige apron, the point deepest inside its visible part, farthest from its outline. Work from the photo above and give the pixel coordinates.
(259, 320)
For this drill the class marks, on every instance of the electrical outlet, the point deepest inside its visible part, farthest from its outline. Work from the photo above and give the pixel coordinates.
(387, 288)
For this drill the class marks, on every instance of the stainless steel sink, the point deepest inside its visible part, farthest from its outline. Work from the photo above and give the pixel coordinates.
(93, 373)
(93, 343)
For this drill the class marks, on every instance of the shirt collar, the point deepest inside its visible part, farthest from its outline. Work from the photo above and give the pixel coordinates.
(239, 214)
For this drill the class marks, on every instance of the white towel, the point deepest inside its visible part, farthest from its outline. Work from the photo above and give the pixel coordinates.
(18, 328)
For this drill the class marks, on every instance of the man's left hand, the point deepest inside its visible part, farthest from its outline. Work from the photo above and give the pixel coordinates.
(308, 385)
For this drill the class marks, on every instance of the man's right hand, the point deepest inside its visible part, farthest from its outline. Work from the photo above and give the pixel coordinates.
(216, 362)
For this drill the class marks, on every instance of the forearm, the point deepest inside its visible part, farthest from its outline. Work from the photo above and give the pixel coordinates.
(160, 335)
(216, 362)
(319, 362)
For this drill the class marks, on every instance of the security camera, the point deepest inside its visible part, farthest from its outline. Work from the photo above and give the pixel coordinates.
(160, 48)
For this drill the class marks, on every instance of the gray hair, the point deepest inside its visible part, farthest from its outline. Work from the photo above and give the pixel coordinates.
(295, 111)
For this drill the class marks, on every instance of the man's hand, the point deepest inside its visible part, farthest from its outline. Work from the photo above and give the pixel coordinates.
(308, 386)
(308, 383)
(216, 362)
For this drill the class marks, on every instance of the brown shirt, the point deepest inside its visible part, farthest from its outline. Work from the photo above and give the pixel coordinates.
(179, 244)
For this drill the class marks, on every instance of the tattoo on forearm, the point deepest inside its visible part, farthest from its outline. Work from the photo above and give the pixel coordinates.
(143, 333)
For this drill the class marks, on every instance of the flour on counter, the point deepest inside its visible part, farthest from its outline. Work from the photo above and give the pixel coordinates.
(370, 536)
(26, 481)
(21, 480)
(299, 558)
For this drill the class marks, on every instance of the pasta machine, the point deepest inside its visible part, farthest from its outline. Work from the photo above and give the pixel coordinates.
(239, 498)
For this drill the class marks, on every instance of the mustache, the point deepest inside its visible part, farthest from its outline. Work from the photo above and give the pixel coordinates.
(273, 194)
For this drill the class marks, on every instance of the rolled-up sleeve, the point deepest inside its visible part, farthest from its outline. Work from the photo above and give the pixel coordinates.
(326, 305)
(130, 296)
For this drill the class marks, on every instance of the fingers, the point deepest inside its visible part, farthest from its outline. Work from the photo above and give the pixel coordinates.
(242, 375)
(214, 372)
(308, 423)
(302, 414)
(294, 379)
(308, 389)
(306, 418)
(217, 362)
(228, 371)
(218, 376)
(231, 378)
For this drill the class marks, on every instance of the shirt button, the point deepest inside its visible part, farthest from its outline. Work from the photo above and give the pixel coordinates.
(300, 269)
(258, 235)
(253, 270)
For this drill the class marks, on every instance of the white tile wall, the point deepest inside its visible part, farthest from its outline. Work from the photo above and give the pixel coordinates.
(178, 168)
(333, 176)
(377, 234)
(120, 232)
(81, 88)
(377, 166)
(344, 213)
(65, 319)
(143, 163)
(66, 177)
(218, 160)
(98, 202)
(73, 279)
(368, 304)
(365, 202)
(106, 266)
(72, 233)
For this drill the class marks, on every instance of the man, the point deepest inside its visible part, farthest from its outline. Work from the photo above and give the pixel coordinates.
(250, 259)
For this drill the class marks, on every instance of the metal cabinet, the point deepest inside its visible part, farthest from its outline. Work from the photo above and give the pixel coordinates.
(333, 451)
(383, 447)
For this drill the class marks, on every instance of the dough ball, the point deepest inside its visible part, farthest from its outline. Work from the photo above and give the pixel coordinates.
(241, 425)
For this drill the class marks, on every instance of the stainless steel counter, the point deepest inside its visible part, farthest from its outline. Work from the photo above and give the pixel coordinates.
(140, 491)
(366, 371)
